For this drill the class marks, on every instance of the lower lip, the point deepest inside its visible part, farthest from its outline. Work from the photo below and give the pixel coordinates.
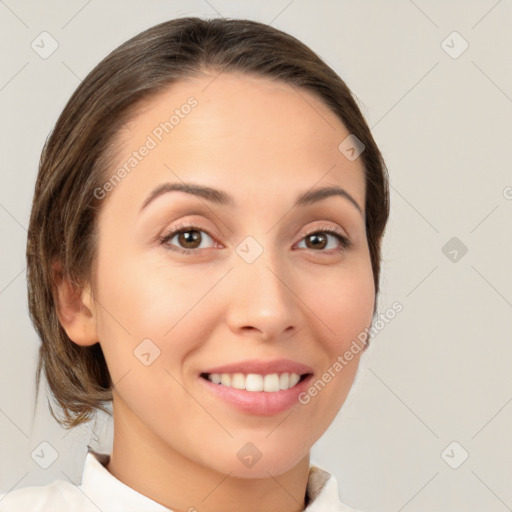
(261, 403)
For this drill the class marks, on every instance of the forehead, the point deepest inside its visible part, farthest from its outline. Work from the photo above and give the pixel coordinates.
(236, 131)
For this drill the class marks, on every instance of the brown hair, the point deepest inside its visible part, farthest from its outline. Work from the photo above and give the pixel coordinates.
(75, 161)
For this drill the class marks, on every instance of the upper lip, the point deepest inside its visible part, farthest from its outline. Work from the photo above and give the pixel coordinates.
(262, 367)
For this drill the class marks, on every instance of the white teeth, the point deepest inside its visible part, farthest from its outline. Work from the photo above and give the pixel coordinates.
(271, 383)
(255, 382)
(294, 378)
(215, 378)
(238, 381)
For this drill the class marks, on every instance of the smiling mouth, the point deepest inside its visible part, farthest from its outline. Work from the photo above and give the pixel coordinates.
(254, 382)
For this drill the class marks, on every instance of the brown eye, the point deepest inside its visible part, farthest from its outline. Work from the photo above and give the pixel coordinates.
(188, 239)
(319, 240)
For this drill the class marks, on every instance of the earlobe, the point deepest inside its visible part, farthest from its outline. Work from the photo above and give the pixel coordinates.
(75, 309)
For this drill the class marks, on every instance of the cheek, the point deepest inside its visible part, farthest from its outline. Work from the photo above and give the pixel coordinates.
(148, 299)
(343, 301)
(342, 308)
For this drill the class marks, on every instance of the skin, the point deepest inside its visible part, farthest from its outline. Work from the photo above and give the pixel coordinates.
(263, 143)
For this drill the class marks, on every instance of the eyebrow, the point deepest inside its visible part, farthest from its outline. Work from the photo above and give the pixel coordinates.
(223, 198)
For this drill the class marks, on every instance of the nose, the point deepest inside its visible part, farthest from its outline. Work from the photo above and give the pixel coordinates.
(262, 301)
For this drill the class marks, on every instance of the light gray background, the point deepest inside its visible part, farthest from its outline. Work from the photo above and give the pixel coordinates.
(440, 371)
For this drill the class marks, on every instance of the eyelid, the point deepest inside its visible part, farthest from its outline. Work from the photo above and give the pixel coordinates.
(324, 227)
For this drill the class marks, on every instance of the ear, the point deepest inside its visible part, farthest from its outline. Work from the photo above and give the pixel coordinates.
(75, 308)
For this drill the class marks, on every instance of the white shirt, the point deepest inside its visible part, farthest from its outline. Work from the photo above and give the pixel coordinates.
(102, 491)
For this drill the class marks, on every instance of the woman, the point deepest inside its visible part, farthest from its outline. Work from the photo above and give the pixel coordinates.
(203, 249)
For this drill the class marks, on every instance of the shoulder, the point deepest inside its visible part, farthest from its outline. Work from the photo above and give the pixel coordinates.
(55, 497)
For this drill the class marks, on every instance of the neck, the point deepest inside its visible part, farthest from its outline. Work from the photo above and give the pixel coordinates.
(145, 463)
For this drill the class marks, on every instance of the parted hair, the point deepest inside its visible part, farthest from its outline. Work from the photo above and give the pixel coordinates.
(77, 156)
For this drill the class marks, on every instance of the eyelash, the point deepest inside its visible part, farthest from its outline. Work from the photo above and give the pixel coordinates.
(345, 243)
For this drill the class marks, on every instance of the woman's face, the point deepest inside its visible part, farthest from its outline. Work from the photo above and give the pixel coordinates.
(257, 283)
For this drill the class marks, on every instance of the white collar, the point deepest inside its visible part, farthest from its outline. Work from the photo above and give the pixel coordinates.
(110, 494)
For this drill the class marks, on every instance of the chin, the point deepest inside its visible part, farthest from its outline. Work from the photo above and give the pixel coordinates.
(249, 462)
